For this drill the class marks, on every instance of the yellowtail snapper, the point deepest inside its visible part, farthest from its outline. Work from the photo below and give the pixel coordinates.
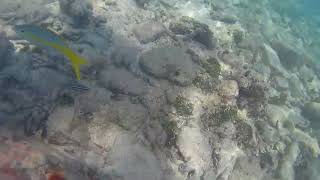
(45, 38)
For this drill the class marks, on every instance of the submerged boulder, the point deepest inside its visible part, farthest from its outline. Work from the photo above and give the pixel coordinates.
(196, 30)
(170, 63)
(125, 56)
(289, 57)
(229, 88)
(271, 58)
(150, 31)
(141, 3)
(78, 10)
(312, 112)
(123, 82)
(6, 50)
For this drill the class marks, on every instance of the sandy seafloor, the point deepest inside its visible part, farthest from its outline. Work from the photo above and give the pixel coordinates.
(178, 90)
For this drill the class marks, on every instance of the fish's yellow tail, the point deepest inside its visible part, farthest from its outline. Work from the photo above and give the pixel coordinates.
(75, 59)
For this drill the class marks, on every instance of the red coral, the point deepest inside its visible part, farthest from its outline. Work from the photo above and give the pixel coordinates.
(56, 176)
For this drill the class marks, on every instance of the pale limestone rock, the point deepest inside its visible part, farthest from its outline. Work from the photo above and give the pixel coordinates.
(149, 31)
(286, 170)
(78, 10)
(312, 112)
(193, 147)
(170, 63)
(229, 88)
(122, 81)
(271, 58)
(132, 161)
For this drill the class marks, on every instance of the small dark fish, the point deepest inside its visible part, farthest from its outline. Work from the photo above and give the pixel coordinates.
(76, 86)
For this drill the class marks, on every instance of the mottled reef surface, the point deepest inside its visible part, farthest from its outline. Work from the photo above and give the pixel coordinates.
(179, 90)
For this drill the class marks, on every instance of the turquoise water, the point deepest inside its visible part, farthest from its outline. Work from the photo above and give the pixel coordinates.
(174, 89)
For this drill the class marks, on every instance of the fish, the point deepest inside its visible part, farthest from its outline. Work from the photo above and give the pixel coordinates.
(45, 38)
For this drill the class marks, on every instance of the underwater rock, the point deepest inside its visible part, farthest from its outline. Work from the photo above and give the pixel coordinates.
(230, 58)
(141, 3)
(286, 166)
(123, 82)
(263, 69)
(248, 167)
(125, 56)
(308, 141)
(220, 117)
(193, 29)
(238, 36)
(170, 63)
(212, 67)
(79, 10)
(244, 133)
(132, 160)
(277, 98)
(268, 132)
(312, 112)
(281, 83)
(306, 74)
(28, 160)
(297, 118)
(199, 156)
(205, 82)
(271, 58)
(99, 38)
(6, 50)
(171, 129)
(149, 31)
(183, 106)
(296, 87)
(277, 114)
(289, 57)
(229, 88)
(128, 116)
(157, 134)
(155, 100)
(228, 153)
(5, 105)
(36, 121)
(60, 121)
(91, 102)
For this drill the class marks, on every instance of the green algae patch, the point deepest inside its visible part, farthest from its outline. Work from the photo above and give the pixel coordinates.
(171, 128)
(238, 36)
(220, 116)
(227, 113)
(65, 100)
(196, 30)
(204, 82)
(183, 106)
(212, 67)
(278, 100)
(244, 133)
(185, 25)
